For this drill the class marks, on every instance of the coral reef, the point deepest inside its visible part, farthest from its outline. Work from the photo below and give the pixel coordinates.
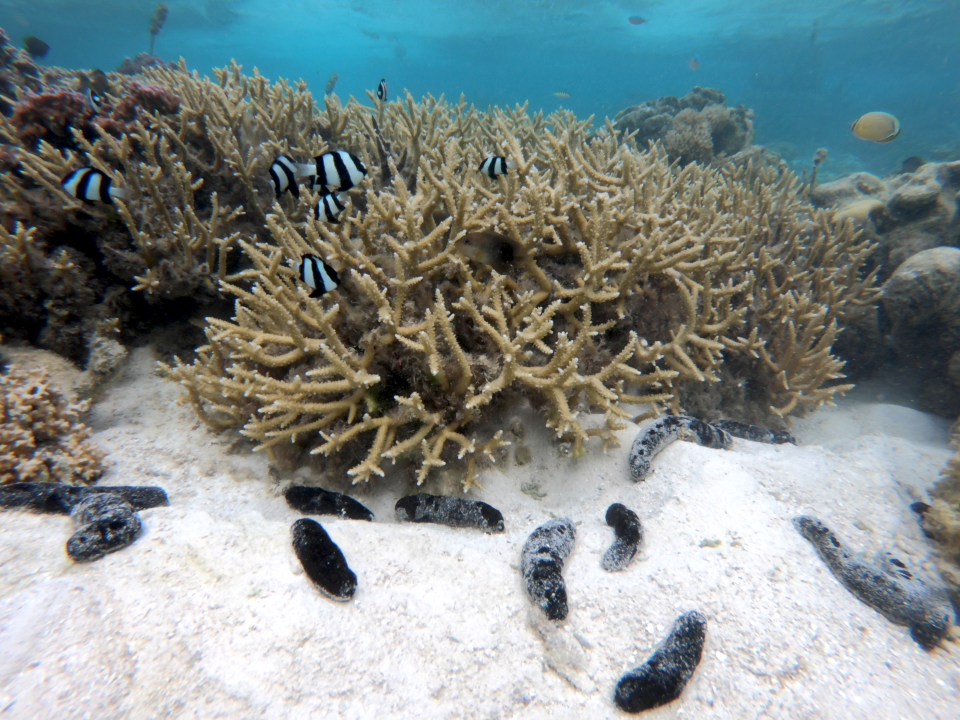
(913, 218)
(941, 521)
(18, 71)
(635, 282)
(632, 278)
(80, 278)
(905, 214)
(698, 127)
(142, 62)
(41, 436)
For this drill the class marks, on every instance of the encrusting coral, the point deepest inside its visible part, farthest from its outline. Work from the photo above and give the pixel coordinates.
(632, 277)
(41, 436)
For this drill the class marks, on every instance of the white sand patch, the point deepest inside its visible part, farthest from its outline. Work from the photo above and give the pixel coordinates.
(209, 613)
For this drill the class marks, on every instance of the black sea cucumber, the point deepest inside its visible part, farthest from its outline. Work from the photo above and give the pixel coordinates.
(59, 498)
(754, 432)
(541, 563)
(317, 501)
(896, 598)
(626, 525)
(452, 511)
(105, 523)
(650, 441)
(662, 678)
(322, 560)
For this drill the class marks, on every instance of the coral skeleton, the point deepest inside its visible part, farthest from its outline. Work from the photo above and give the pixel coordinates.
(633, 277)
(41, 436)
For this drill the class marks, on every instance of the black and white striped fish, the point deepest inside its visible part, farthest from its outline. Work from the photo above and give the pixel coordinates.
(283, 176)
(382, 90)
(330, 207)
(318, 276)
(335, 170)
(496, 165)
(89, 184)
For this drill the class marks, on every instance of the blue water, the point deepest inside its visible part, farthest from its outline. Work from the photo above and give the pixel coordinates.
(900, 57)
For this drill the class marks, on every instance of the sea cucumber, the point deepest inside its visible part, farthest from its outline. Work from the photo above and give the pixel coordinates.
(317, 501)
(452, 511)
(626, 526)
(541, 563)
(61, 499)
(322, 560)
(754, 432)
(650, 441)
(105, 523)
(661, 679)
(900, 601)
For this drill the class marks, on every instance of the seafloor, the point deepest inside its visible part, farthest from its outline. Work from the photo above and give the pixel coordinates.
(209, 614)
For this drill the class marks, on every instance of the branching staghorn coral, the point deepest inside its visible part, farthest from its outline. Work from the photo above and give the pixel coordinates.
(197, 178)
(632, 278)
(41, 436)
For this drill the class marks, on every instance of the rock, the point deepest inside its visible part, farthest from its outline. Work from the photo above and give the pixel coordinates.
(913, 199)
(853, 188)
(926, 287)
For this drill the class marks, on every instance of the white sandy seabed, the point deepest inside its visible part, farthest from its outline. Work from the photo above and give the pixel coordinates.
(209, 613)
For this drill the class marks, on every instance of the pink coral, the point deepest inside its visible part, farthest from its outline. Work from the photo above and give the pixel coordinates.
(50, 116)
(135, 100)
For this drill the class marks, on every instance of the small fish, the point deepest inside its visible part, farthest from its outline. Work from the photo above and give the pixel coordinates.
(318, 276)
(816, 31)
(283, 176)
(562, 94)
(89, 184)
(331, 84)
(382, 90)
(98, 82)
(636, 20)
(96, 101)
(35, 47)
(496, 165)
(336, 170)
(912, 164)
(694, 62)
(330, 207)
(878, 127)
(490, 248)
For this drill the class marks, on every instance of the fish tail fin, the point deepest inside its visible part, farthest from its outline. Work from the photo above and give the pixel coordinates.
(511, 165)
(305, 169)
(120, 193)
